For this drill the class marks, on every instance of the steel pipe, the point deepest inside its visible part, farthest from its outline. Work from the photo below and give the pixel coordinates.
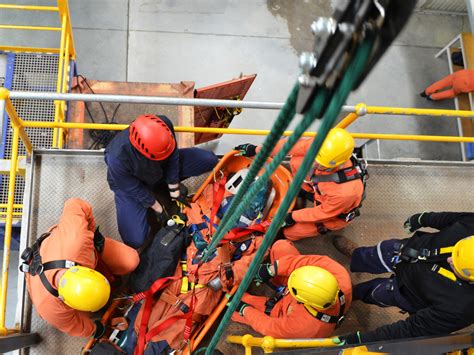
(158, 100)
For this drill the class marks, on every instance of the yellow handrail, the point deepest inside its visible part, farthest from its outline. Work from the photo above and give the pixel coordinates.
(242, 131)
(29, 49)
(268, 343)
(29, 7)
(32, 28)
(8, 228)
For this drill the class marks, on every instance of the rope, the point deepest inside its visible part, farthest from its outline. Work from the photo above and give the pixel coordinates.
(283, 120)
(354, 70)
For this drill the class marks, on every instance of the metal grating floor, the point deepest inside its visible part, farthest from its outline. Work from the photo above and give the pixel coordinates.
(394, 191)
(32, 72)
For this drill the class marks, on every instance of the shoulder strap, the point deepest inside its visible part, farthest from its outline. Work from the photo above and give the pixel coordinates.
(33, 264)
(444, 272)
(326, 318)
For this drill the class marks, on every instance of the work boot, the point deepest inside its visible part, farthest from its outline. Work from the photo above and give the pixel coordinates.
(344, 245)
(423, 94)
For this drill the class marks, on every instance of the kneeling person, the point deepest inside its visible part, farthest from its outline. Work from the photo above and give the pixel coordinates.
(335, 186)
(61, 274)
(315, 293)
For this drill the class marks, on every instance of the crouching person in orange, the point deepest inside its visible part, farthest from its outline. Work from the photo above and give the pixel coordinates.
(314, 294)
(65, 270)
(335, 185)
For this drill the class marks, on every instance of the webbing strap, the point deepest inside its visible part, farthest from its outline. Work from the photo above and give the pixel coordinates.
(237, 233)
(217, 197)
(148, 295)
(339, 177)
(444, 272)
(326, 318)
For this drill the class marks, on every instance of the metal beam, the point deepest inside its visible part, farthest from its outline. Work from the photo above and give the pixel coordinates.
(132, 99)
(18, 341)
(470, 13)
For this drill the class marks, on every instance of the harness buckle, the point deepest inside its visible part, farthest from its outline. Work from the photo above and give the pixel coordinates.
(24, 267)
(350, 216)
(36, 269)
(69, 264)
(27, 254)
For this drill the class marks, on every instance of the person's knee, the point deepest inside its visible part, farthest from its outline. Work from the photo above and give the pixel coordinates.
(133, 235)
(131, 261)
(285, 246)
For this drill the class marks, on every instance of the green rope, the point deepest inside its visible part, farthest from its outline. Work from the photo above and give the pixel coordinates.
(283, 120)
(354, 70)
(226, 223)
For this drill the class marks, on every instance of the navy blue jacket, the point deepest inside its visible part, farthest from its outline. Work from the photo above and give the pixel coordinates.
(131, 173)
(444, 306)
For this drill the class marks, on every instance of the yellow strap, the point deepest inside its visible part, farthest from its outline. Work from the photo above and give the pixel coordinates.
(184, 284)
(446, 273)
(446, 250)
(311, 310)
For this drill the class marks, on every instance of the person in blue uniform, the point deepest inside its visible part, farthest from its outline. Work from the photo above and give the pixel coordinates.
(142, 159)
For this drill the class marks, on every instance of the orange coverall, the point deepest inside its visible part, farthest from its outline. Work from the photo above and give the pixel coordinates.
(73, 239)
(288, 318)
(331, 199)
(206, 298)
(459, 82)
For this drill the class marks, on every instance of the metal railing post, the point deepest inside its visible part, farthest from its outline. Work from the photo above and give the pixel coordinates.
(59, 81)
(64, 11)
(8, 230)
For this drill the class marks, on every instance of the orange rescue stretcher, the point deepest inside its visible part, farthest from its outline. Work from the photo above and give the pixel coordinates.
(230, 163)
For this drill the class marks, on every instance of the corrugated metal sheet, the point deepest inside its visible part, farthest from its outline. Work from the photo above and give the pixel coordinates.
(443, 5)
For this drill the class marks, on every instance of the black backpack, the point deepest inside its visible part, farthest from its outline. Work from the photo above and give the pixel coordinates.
(160, 258)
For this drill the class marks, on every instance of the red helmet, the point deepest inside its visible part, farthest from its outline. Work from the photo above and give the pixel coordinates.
(152, 137)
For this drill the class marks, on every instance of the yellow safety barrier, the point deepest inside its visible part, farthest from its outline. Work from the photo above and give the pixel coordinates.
(268, 343)
(66, 52)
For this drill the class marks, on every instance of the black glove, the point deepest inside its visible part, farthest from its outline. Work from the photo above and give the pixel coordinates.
(162, 218)
(264, 274)
(240, 307)
(99, 329)
(347, 339)
(413, 223)
(289, 221)
(99, 240)
(247, 149)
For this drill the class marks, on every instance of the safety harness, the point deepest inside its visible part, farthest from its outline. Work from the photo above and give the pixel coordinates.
(323, 317)
(358, 171)
(327, 318)
(423, 255)
(33, 265)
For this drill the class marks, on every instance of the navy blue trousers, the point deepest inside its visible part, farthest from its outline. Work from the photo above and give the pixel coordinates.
(383, 292)
(132, 217)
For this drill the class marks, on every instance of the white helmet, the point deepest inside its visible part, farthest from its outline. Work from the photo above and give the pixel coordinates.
(233, 184)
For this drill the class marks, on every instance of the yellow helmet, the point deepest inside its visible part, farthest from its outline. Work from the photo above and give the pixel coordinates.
(463, 258)
(313, 286)
(336, 149)
(84, 289)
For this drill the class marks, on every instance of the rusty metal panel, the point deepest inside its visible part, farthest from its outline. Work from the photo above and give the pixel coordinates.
(219, 117)
(125, 113)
